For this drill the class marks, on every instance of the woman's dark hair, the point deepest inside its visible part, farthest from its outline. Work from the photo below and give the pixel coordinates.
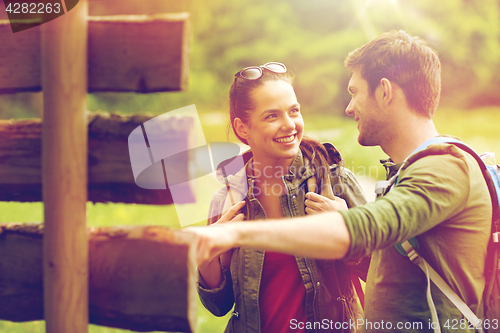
(320, 158)
(241, 105)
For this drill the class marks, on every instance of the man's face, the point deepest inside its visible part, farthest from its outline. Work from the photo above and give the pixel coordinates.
(366, 111)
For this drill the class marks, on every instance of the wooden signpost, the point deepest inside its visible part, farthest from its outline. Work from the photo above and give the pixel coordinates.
(64, 172)
(140, 278)
(110, 176)
(66, 58)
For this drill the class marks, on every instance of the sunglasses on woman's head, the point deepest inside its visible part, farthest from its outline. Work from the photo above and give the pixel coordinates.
(255, 72)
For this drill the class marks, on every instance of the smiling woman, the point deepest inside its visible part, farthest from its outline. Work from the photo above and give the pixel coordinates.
(271, 290)
(274, 129)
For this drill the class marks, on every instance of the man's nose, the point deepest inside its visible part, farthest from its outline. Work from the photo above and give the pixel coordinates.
(349, 110)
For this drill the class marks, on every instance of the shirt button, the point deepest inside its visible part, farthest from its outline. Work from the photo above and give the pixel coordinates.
(294, 196)
(318, 283)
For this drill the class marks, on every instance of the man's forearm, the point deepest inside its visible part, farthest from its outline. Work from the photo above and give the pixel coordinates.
(321, 236)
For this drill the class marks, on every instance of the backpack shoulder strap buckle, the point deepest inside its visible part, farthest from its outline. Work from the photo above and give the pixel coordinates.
(410, 251)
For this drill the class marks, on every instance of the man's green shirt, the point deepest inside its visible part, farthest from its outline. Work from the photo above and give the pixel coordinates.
(441, 198)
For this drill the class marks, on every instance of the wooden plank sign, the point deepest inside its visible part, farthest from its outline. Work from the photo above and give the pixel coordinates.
(109, 169)
(134, 53)
(141, 278)
(141, 53)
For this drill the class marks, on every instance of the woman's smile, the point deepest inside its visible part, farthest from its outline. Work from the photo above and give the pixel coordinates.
(286, 139)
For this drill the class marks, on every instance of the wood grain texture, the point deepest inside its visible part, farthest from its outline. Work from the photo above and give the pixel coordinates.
(120, 7)
(21, 272)
(134, 53)
(140, 278)
(142, 53)
(64, 171)
(109, 169)
(19, 59)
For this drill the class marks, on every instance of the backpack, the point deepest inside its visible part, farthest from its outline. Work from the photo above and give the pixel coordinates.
(491, 295)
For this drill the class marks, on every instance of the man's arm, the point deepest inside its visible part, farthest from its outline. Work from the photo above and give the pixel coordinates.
(321, 236)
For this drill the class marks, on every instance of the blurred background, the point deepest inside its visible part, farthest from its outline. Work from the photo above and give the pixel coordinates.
(312, 37)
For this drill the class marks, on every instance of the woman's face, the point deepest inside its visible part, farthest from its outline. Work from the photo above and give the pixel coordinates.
(275, 127)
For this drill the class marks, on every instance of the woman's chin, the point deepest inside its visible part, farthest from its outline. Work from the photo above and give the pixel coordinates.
(290, 153)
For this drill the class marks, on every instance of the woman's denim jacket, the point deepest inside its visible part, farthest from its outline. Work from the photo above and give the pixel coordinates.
(330, 298)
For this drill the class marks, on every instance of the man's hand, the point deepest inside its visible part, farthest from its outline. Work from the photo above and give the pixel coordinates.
(215, 240)
(316, 204)
(322, 236)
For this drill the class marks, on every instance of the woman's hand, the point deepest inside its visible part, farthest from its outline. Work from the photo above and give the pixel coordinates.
(316, 203)
(232, 214)
(210, 268)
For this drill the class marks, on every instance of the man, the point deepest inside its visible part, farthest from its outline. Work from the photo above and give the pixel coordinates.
(441, 198)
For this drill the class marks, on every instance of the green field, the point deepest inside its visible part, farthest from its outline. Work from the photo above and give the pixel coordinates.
(476, 127)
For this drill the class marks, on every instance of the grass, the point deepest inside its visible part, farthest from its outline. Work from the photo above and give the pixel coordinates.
(476, 127)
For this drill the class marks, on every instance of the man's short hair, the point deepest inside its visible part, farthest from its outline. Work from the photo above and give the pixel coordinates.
(405, 60)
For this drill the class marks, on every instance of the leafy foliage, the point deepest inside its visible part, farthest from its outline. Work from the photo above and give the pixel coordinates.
(313, 38)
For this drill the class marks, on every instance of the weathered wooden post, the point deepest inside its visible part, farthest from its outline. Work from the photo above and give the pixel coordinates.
(64, 171)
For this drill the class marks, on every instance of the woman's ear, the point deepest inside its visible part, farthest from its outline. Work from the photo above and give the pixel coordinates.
(386, 91)
(241, 128)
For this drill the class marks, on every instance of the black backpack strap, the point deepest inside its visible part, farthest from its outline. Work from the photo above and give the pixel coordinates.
(489, 181)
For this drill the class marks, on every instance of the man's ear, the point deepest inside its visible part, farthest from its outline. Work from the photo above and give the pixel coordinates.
(387, 92)
(241, 128)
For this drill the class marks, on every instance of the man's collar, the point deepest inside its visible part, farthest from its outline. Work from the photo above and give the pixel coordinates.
(390, 167)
